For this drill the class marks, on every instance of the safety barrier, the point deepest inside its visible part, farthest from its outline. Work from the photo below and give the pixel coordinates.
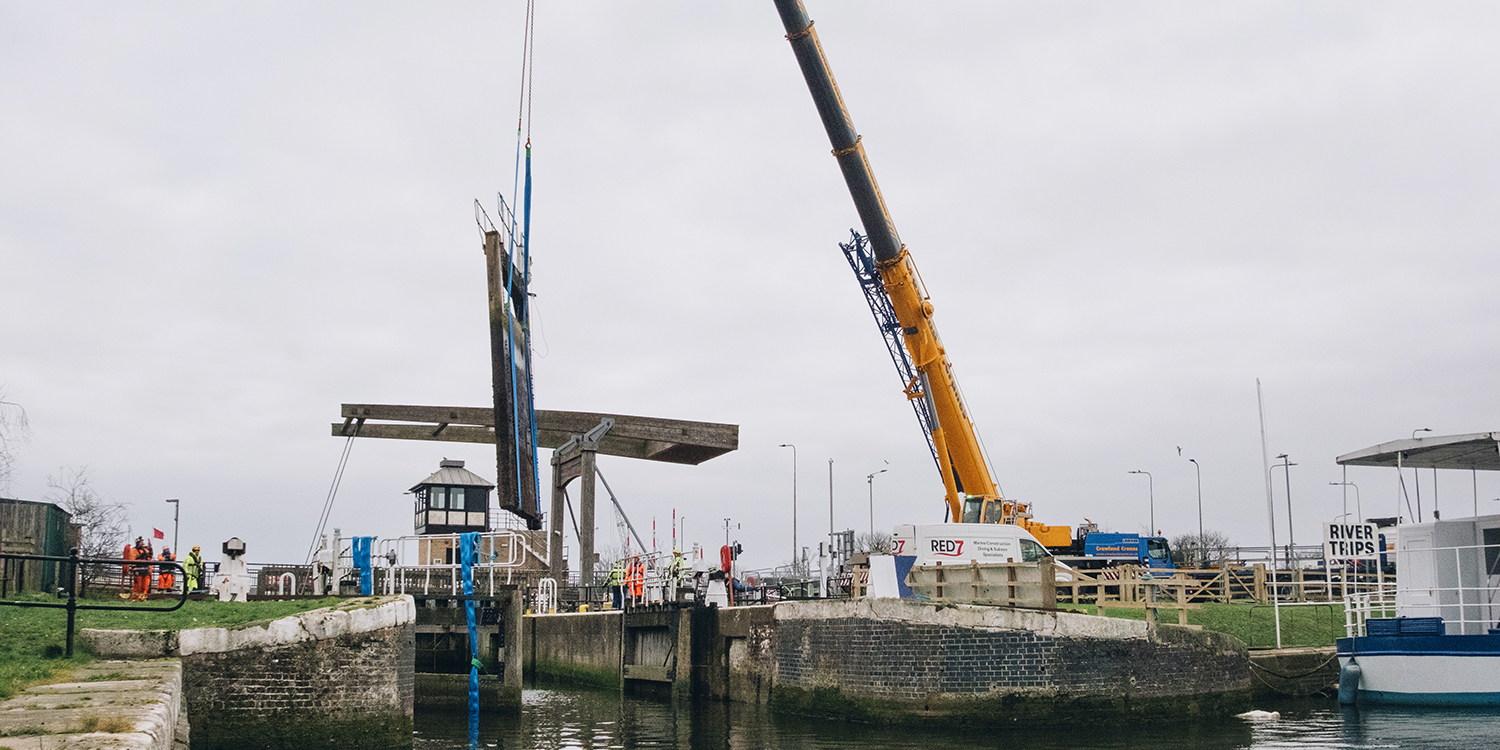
(70, 577)
(1031, 584)
(1454, 583)
(429, 564)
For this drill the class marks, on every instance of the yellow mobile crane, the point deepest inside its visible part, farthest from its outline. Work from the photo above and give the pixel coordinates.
(902, 308)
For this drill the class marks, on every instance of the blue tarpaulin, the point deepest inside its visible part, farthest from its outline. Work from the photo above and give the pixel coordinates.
(362, 564)
(468, 555)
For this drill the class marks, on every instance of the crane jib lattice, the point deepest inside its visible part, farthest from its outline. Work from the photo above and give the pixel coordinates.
(862, 259)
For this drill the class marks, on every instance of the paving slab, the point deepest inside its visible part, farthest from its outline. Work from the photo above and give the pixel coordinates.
(108, 705)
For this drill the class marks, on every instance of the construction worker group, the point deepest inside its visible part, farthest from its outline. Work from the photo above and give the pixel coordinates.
(144, 578)
(628, 578)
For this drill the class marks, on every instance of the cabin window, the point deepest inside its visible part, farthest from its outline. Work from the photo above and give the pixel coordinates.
(1492, 551)
(994, 511)
(1156, 549)
(1031, 551)
(972, 508)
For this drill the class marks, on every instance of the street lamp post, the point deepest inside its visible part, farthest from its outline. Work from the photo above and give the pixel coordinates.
(1358, 510)
(794, 502)
(176, 511)
(1417, 475)
(1291, 540)
(1150, 487)
(1199, 471)
(871, 480)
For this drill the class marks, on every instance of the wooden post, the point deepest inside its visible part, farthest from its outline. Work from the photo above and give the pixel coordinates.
(1048, 573)
(1151, 604)
(1260, 583)
(1182, 604)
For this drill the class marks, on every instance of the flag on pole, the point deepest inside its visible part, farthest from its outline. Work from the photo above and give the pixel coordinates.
(157, 533)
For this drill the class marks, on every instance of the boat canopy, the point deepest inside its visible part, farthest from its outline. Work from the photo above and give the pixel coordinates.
(1479, 451)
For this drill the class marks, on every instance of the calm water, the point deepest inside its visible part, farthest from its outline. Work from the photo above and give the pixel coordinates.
(590, 719)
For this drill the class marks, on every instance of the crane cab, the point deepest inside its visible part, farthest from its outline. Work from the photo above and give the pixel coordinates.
(984, 509)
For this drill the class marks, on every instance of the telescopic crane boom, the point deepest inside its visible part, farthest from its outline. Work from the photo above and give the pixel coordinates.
(969, 489)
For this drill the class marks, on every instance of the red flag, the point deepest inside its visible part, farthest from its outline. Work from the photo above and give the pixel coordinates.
(157, 533)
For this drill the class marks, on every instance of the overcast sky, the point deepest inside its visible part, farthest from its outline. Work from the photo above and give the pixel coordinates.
(220, 221)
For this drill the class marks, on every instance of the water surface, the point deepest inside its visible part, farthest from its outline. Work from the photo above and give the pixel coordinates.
(555, 719)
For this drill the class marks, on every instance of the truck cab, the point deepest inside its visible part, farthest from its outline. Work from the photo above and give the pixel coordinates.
(1103, 548)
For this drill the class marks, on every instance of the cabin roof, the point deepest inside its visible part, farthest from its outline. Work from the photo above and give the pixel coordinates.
(1479, 451)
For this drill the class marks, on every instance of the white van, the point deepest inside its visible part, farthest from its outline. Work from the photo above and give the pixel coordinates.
(950, 543)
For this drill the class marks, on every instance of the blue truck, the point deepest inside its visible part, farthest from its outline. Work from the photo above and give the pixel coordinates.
(1103, 549)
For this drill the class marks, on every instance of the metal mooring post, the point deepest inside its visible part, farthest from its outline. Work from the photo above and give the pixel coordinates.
(72, 595)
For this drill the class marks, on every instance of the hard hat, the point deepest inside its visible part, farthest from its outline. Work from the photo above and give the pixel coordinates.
(195, 548)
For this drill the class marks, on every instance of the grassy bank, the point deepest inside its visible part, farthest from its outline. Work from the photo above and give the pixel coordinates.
(1255, 624)
(32, 639)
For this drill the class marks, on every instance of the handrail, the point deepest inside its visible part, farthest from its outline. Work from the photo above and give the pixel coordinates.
(72, 605)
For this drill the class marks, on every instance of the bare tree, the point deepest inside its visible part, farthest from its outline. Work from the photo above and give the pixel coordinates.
(875, 543)
(101, 522)
(14, 430)
(1210, 550)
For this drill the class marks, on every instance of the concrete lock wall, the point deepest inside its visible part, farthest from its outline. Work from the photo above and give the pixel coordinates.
(893, 659)
(333, 678)
(583, 647)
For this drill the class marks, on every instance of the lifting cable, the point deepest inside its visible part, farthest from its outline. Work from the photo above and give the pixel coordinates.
(523, 125)
(333, 491)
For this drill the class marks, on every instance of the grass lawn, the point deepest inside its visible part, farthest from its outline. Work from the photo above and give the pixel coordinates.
(1255, 624)
(32, 639)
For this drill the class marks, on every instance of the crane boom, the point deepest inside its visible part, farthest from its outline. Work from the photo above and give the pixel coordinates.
(969, 488)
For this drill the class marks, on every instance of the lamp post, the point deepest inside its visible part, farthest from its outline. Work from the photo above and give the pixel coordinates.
(1199, 471)
(1416, 475)
(794, 501)
(1286, 469)
(176, 511)
(871, 479)
(1358, 510)
(1150, 487)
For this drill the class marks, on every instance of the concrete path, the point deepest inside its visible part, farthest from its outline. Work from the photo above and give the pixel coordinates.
(110, 705)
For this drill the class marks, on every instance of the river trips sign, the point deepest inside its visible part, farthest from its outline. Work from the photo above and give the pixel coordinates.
(1350, 541)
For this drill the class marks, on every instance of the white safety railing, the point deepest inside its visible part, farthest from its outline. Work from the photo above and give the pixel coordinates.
(1364, 606)
(430, 564)
(1459, 584)
(546, 596)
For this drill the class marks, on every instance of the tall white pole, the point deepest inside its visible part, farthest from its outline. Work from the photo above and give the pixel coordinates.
(1265, 462)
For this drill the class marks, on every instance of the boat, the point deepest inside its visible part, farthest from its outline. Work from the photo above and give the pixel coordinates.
(1432, 639)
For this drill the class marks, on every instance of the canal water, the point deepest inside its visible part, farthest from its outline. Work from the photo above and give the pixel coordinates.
(556, 719)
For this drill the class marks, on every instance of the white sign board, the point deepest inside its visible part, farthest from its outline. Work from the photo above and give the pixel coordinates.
(1350, 541)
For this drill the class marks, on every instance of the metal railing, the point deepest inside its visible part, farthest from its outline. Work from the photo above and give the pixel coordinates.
(1459, 584)
(70, 571)
(1362, 607)
(429, 564)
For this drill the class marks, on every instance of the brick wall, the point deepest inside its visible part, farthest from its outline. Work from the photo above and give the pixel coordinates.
(860, 663)
(317, 682)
